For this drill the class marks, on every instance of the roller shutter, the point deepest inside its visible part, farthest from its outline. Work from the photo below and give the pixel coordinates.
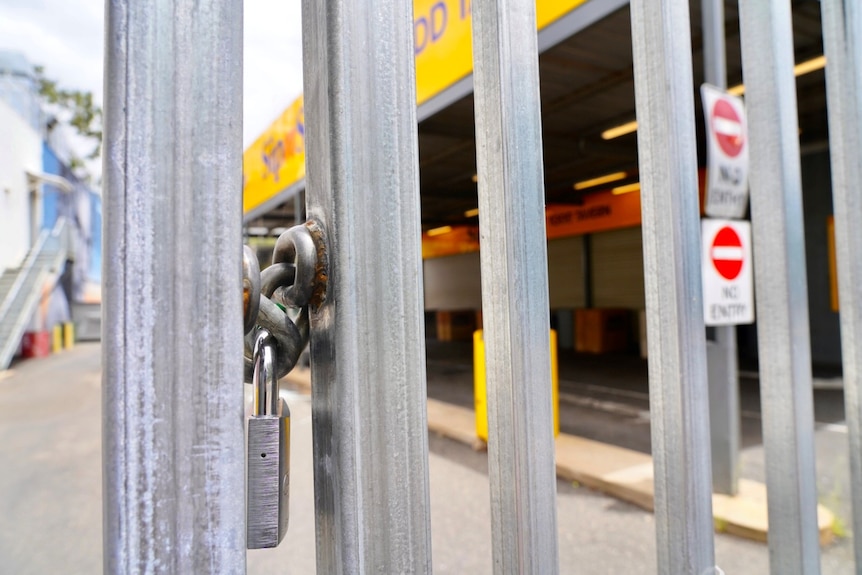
(453, 282)
(618, 270)
(566, 273)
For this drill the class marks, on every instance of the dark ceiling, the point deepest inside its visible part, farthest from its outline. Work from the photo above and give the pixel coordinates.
(587, 86)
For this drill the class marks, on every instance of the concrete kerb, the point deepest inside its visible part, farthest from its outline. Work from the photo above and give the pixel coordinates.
(622, 473)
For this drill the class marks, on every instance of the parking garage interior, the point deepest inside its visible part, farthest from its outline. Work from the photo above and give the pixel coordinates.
(595, 263)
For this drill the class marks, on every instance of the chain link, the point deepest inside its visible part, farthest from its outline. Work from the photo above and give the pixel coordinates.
(277, 298)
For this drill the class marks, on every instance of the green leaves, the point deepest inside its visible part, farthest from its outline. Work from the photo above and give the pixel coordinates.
(79, 111)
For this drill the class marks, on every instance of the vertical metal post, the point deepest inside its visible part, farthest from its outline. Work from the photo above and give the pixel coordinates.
(299, 207)
(782, 293)
(367, 339)
(724, 409)
(721, 358)
(661, 43)
(515, 302)
(173, 439)
(714, 61)
(842, 40)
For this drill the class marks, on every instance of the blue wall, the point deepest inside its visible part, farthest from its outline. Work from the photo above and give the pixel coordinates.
(83, 210)
(51, 197)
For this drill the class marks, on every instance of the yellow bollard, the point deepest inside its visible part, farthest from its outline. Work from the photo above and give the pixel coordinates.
(480, 395)
(69, 335)
(57, 339)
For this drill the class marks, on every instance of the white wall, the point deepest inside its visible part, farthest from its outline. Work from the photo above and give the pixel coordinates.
(20, 151)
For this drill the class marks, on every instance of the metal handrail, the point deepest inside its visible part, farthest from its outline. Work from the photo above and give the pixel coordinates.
(18, 301)
(26, 268)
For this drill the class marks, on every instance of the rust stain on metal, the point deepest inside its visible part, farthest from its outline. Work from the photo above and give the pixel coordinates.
(246, 298)
(318, 295)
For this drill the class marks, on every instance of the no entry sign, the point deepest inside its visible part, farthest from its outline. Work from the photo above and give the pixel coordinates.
(727, 157)
(727, 128)
(726, 253)
(728, 291)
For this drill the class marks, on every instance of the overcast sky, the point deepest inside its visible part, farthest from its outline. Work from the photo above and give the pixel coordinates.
(67, 37)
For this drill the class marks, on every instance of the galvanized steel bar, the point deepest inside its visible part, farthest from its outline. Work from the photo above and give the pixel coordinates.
(842, 40)
(367, 339)
(514, 287)
(667, 152)
(722, 369)
(299, 207)
(714, 60)
(173, 438)
(724, 410)
(781, 288)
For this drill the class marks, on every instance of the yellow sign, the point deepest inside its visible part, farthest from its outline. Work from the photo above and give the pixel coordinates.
(443, 41)
(460, 240)
(276, 159)
(599, 212)
(443, 50)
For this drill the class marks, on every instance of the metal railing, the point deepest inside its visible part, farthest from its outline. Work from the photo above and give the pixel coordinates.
(172, 166)
(43, 262)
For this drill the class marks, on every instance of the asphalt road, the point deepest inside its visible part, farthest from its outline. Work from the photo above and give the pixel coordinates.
(50, 485)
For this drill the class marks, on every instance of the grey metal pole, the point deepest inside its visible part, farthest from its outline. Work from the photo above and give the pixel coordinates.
(299, 207)
(724, 416)
(664, 99)
(724, 409)
(173, 438)
(515, 305)
(842, 40)
(782, 293)
(714, 60)
(367, 339)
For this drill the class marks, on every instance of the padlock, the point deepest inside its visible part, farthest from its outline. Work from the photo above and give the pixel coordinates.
(268, 451)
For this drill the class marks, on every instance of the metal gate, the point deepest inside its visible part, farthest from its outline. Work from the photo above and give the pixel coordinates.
(173, 435)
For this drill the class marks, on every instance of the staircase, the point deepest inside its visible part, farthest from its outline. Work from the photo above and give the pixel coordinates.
(21, 288)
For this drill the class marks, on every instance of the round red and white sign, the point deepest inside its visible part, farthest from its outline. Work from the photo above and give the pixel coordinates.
(727, 127)
(726, 253)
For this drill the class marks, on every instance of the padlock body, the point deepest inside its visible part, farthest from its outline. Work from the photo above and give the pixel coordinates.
(268, 478)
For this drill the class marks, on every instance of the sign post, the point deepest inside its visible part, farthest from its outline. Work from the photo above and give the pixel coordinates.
(721, 352)
(727, 145)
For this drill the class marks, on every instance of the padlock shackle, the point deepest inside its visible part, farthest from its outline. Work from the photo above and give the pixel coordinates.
(265, 381)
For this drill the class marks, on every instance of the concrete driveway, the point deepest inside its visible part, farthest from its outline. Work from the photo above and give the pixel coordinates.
(50, 491)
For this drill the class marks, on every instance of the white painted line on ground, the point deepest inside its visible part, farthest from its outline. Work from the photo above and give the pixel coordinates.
(818, 383)
(605, 406)
(833, 383)
(834, 428)
(609, 390)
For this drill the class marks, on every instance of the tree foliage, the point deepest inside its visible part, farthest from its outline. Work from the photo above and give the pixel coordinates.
(78, 110)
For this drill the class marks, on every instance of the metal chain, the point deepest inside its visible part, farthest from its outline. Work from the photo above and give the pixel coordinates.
(277, 298)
